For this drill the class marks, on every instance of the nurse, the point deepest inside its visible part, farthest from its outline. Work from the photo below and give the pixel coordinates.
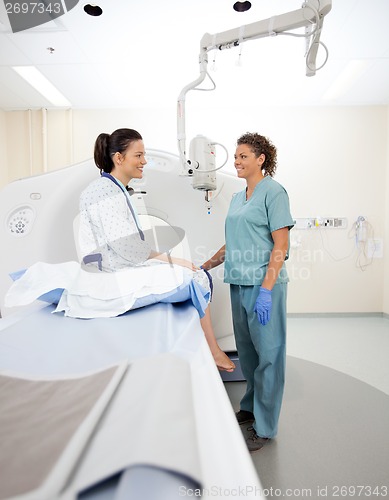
(257, 243)
(111, 238)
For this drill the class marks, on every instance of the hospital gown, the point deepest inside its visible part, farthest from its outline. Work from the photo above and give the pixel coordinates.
(108, 227)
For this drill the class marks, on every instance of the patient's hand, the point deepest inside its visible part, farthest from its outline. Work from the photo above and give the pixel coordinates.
(184, 263)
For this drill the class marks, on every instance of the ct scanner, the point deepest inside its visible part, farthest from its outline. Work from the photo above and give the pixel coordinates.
(168, 420)
(40, 212)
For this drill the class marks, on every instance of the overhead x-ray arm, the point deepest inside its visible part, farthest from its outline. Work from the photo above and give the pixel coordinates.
(310, 14)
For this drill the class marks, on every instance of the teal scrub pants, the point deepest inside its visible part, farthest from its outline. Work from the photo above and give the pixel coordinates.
(261, 350)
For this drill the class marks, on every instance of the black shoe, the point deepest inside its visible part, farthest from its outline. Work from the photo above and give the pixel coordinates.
(255, 443)
(243, 417)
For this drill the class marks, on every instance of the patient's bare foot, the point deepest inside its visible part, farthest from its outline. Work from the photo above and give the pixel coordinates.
(222, 361)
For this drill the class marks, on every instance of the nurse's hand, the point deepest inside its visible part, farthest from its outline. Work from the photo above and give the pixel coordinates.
(263, 305)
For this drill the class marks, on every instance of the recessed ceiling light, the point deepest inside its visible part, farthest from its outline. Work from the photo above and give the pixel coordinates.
(40, 83)
(242, 6)
(93, 10)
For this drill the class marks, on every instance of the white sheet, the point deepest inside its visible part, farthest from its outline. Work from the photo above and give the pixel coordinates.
(94, 294)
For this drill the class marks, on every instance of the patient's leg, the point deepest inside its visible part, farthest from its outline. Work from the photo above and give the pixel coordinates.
(222, 361)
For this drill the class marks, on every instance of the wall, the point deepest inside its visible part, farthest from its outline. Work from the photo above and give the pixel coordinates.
(158, 128)
(386, 248)
(332, 161)
(3, 150)
(34, 141)
(59, 132)
(23, 145)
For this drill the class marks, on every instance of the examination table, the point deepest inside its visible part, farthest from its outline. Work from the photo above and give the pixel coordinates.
(167, 421)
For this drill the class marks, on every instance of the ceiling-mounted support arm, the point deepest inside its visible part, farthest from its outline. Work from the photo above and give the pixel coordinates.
(306, 16)
(311, 13)
(181, 134)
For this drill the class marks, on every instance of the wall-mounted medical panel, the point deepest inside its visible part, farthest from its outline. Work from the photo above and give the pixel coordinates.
(321, 223)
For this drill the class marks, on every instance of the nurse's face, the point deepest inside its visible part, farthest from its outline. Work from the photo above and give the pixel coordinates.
(133, 160)
(246, 163)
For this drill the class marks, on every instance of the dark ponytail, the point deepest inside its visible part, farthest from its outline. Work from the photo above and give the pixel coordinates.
(102, 159)
(107, 145)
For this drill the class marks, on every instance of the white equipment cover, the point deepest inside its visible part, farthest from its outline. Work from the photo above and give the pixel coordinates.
(170, 410)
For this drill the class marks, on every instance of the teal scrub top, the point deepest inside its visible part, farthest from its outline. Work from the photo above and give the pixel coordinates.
(248, 229)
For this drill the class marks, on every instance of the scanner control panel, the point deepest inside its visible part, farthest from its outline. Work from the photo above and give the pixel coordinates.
(20, 220)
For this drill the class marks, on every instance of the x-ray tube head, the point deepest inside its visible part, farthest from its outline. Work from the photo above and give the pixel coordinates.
(202, 160)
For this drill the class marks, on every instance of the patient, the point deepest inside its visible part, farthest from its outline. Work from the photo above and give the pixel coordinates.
(111, 238)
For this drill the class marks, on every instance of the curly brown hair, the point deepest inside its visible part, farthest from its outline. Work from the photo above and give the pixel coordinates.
(261, 145)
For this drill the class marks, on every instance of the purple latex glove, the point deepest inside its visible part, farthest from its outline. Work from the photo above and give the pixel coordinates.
(263, 305)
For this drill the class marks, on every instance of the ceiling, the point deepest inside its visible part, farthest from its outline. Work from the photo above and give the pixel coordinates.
(142, 53)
